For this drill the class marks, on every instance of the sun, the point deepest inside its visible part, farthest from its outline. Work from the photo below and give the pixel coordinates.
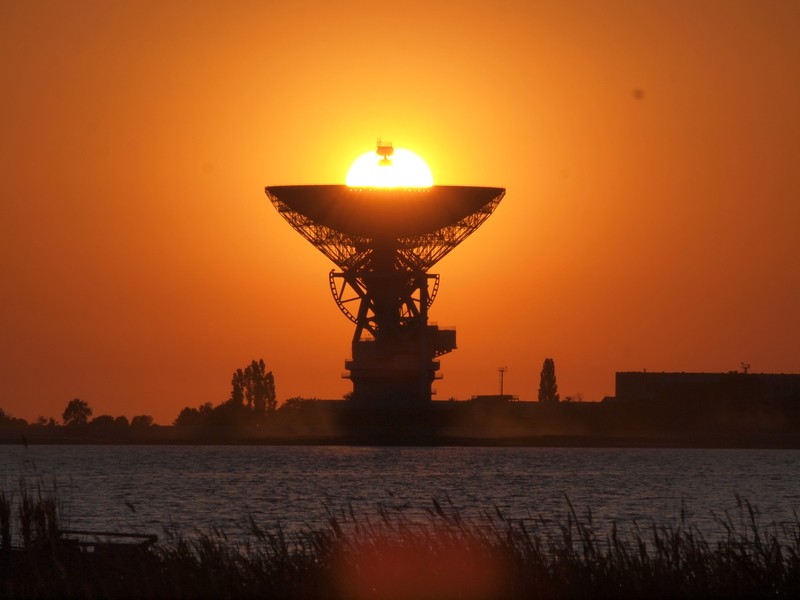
(389, 167)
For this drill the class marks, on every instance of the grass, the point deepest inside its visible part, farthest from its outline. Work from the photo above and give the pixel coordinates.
(387, 555)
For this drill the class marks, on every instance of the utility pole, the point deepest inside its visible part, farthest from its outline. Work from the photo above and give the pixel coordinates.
(502, 371)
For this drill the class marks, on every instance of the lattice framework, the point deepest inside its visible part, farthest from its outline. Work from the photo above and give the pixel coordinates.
(417, 253)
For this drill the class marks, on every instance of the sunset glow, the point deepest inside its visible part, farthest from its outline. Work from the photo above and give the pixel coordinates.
(649, 152)
(403, 170)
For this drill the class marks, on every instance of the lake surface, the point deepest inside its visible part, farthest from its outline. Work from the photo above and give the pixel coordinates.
(146, 488)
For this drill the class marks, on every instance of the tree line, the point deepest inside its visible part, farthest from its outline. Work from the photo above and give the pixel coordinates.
(78, 413)
(251, 402)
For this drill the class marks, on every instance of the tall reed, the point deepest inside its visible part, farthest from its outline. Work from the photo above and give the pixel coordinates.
(5, 522)
(39, 513)
(388, 554)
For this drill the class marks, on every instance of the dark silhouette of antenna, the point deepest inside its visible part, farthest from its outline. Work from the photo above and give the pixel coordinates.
(745, 367)
(502, 371)
(385, 150)
(384, 241)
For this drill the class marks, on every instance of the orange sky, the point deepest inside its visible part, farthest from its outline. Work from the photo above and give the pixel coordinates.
(142, 263)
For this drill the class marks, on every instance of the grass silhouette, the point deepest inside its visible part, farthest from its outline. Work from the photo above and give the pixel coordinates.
(388, 555)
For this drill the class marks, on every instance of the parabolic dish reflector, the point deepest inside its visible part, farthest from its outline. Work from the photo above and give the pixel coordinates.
(423, 225)
(384, 213)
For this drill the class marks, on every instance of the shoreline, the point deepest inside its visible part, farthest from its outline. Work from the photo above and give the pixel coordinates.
(723, 441)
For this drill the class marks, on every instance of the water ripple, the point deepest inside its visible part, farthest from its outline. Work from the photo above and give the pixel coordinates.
(139, 488)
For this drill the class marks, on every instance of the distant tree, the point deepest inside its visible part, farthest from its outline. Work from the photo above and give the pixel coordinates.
(237, 388)
(228, 414)
(254, 387)
(548, 388)
(121, 422)
(252, 398)
(192, 417)
(7, 419)
(102, 421)
(142, 421)
(77, 412)
(188, 417)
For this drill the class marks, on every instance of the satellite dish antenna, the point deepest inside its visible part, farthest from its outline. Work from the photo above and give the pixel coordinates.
(384, 241)
(385, 150)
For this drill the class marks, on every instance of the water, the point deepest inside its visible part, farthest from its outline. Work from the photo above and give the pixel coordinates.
(146, 488)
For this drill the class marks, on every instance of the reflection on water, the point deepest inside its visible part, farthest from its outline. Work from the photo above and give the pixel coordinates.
(144, 488)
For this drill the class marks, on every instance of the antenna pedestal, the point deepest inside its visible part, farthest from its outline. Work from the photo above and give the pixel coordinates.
(399, 372)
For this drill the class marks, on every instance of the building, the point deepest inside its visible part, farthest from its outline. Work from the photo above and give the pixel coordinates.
(643, 386)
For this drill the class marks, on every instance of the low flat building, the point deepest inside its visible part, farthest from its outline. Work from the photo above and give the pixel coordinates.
(644, 386)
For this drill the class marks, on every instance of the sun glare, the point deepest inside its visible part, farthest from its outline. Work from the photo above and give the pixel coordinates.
(389, 167)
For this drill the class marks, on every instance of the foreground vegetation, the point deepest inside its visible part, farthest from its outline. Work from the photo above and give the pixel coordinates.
(388, 555)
